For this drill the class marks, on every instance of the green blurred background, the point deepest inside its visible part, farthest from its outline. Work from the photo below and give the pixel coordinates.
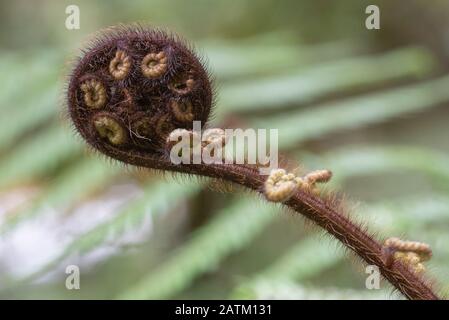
(372, 105)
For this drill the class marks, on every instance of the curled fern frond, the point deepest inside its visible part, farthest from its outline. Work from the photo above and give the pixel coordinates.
(122, 92)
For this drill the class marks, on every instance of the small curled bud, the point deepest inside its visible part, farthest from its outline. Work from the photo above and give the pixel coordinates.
(318, 176)
(94, 93)
(411, 259)
(411, 253)
(280, 186)
(420, 248)
(120, 65)
(111, 129)
(154, 65)
(182, 111)
(182, 85)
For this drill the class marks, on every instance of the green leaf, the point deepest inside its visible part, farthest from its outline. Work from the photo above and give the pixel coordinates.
(37, 156)
(26, 117)
(295, 127)
(318, 80)
(229, 231)
(25, 75)
(157, 199)
(74, 184)
(230, 61)
(358, 160)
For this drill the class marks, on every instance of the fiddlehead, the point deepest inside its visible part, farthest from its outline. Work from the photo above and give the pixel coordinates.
(134, 86)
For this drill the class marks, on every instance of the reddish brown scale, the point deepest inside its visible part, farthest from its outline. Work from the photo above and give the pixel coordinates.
(143, 71)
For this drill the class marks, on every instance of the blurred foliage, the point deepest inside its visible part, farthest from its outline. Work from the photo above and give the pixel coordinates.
(370, 105)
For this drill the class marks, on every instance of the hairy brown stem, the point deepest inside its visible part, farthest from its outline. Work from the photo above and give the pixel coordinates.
(338, 225)
(314, 208)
